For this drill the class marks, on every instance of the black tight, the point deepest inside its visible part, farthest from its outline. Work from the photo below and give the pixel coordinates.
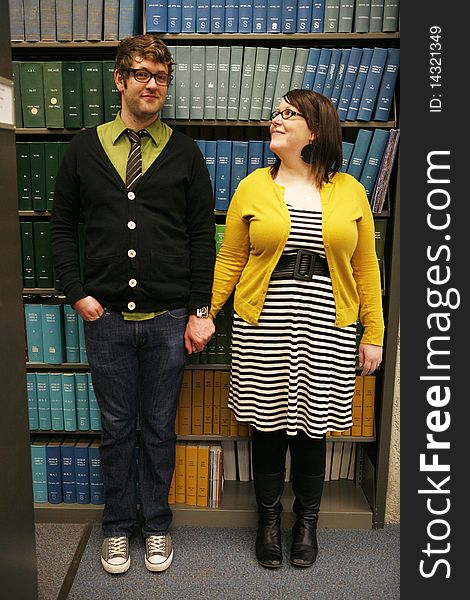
(269, 452)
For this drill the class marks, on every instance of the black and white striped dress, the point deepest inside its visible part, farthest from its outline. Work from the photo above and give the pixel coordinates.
(295, 370)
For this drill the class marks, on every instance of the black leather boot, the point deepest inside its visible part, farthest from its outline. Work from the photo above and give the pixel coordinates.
(268, 491)
(308, 491)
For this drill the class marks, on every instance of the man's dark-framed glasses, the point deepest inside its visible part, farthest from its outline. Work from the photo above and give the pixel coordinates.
(287, 113)
(144, 76)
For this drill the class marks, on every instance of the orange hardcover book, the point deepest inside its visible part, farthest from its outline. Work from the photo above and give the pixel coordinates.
(191, 474)
(225, 412)
(202, 474)
(216, 404)
(184, 409)
(172, 490)
(197, 403)
(180, 473)
(208, 401)
(356, 429)
(368, 400)
(233, 424)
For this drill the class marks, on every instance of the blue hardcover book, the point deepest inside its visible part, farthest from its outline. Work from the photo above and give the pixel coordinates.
(359, 84)
(304, 16)
(311, 68)
(322, 70)
(72, 342)
(359, 153)
(39, 470)
(67, 464)
(203, 16)
(239, 164)
(373, 160)
(44, 402)
(188, 16)
(81, 340)
(174, 16)
(218, 16)
(201, 144)
(347, 152)
(54, 471)
(268, 155)
(33, 324)
(331, 72)
(79, 21)
(96, 474)
(340, 73)
(16, 21)
(156, 16)
(222, 175)
(387, 86)
(245, 16)
(68, 400)
(260, 14)
(210, 156)
(32, 27)
(95, 416)
(53, 333)
(289, 16)
(372, 84)
(318, 14)
(82, 471)
(55, 398)
(255, 155)
(32, 392)
(129, 18)
(349, 83)
(274, 16)
(231, 16)
(81, 401)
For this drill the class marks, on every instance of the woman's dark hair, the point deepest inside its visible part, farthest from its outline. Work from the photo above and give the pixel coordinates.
(142, 46)
(322, 119)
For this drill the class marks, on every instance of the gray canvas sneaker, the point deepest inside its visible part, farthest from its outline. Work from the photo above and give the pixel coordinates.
(115, 554)
(158, 552)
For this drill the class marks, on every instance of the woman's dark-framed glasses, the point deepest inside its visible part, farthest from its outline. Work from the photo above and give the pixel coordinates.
(287, 113)
(144, 76)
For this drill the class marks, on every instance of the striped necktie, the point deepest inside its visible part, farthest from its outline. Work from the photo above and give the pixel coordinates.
(134, 160)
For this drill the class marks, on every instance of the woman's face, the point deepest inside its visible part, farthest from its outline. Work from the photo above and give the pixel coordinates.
(289, 136)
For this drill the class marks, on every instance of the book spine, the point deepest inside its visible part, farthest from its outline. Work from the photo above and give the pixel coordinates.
(191, 474)
(82, 473)
(51, 158)
(239, 162)
(318, 16)
(359, 152)
(56, 402)
(346, 16)
(111, 20)
(274, 16)
(331, 72)
(32, 94)
(39, 471)
(81, 402)
(373, 159)
(289, 16)
(33, 415)
(372, 84)
(38, 176)
(17, 93)
(95, 20)
(44, 403)
(92, 92)
(387, 86)
(188, 16)
(67, 462)
(16, 21)
(390, 16)
(95, 416)
(73, 102)
(96, 474)
(156, 16)
(298, 69)
(33, 324)
(359, 84)
(331, 16)
(245, 16)
(222, 176)
(255, 155)
(208, 401)
(64, 20)
(235, 77)
(203, 16)
(339, 79)
(322, 70)
(68, 398)
(362, 16)
(223, 76)
(270, 85)
(168, 110)
(54, 478)
(111, 95)
(180, 473)
(79, 23)
(311, 68)
(72, 348)
(197, 61)
(210, 82)
(47, 20)
(52, 333)
(246, 84)
(202, 488)
(376, 16)
(260, 16)
(174, 16)
(27, 254)
(182, 82)
(129, 13)
(349, 83)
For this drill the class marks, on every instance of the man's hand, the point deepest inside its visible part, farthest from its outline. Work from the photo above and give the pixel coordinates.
(88, 308)
(198, 333)
(370, 357)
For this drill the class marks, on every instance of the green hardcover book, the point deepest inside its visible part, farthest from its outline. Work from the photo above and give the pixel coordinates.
(246, 86)
(17, 93)
(362, 16)
(390, 16)
(271, 77)
(331, 16)
(298, 68)
(51, 158)
(376, 16)
(219, 235)
(259, 80)
(38, 175)
(284, 75)
(23, 170)
(27, 254)
(346, 16)
(42, 254)
(380, 226)
(32, 94)
(168, 110)
(210, 82)
(223, 82)
(196, 102)
(221, 330)
(92, 93)
(211, 348)
(111, 95)
(234, 82)
(73, 101)
(53, 94)
(182, 82)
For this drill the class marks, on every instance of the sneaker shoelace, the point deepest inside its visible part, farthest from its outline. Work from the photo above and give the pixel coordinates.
(117, 546)
(156, 544)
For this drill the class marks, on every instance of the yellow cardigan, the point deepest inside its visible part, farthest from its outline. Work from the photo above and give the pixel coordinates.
(257, 228)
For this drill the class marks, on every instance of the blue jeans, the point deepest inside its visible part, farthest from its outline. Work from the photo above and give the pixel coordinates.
(137, 370)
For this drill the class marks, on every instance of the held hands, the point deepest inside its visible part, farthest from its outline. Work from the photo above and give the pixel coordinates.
(88, 308)
(198, 333)
(370, 357)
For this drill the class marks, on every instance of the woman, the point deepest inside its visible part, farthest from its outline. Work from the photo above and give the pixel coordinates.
(299, 251)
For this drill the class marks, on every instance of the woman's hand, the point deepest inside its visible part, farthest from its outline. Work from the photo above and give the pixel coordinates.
(370, 357)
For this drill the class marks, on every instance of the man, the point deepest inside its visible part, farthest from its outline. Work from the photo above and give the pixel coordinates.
(144, 194)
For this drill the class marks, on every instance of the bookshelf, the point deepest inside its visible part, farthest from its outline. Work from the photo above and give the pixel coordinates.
(345, 503)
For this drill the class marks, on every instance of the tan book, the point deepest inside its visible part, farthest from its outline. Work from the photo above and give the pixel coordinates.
(233, 424)
(243, 429)
(368, 400)
(197, 403)
(208, 401)
(172, 490)
(225, 412)
(184, 409)
(180, 473)
(356, 429)
(216, 404)
(191, 474)
(336, 433)
(346, 431)
(202, 474)
(328, 434)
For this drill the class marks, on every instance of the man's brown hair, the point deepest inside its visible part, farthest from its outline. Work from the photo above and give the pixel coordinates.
(142, 46)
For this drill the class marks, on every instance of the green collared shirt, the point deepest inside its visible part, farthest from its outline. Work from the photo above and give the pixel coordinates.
(117, 145)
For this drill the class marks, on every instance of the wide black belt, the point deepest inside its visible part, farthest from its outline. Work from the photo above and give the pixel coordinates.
(301, 265)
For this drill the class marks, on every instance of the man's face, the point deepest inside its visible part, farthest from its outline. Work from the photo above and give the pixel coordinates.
(142, 101)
